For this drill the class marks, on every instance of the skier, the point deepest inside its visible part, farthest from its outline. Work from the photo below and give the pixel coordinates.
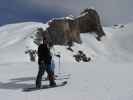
(51, 66)
(44, 61)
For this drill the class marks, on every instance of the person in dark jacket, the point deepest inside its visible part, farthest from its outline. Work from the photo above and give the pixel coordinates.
(44, 61)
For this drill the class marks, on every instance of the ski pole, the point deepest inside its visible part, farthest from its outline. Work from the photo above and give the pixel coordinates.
(59, 66)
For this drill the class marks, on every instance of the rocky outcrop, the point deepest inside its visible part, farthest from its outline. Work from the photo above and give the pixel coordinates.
(65, 30)
(89, 21)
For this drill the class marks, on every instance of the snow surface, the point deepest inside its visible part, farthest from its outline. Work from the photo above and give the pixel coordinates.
(107, 77)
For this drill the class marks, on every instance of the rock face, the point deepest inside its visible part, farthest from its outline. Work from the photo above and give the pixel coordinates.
(89, 21)
(64, 30)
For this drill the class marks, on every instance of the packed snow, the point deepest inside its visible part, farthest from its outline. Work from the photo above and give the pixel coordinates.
(108, 76)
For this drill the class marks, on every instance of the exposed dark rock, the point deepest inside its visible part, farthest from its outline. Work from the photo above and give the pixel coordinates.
(70, 44)
(70, 49)
(80, 56)
(32, 54)
(89, 21)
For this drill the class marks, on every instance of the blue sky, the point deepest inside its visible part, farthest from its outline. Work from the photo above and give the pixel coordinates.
(111, 11)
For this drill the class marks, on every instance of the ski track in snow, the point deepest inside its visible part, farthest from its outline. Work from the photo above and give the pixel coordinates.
(107, 77)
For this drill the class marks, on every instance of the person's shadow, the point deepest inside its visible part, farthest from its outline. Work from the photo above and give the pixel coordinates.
(23, 82)
(18, 83)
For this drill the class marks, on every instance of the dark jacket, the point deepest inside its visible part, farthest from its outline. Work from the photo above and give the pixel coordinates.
(44, 54)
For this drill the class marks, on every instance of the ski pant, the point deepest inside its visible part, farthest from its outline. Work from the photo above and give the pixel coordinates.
(42, 68)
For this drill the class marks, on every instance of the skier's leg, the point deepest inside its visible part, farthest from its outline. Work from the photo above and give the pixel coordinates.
(51, 76)
(40, 74)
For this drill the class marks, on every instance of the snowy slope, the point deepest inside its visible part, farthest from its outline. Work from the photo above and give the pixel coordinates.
(119, 43)
(107, 77)
(16, 38)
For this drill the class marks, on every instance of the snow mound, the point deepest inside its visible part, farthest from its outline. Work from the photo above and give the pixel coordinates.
(118, 43)
(13, 33)
(15, 39)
